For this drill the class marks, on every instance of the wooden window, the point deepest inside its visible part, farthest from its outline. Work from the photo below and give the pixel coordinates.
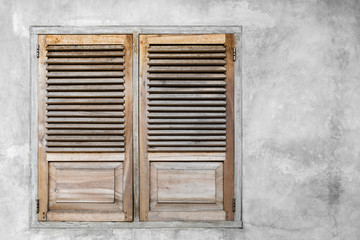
(85, 127)
(186, 127)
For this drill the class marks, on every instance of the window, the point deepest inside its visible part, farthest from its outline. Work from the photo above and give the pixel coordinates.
(186, 127)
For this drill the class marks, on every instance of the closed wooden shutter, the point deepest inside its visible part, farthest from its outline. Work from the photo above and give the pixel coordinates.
(186, 127)
(85, 127)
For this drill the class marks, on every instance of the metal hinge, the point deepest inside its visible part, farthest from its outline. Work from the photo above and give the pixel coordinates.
(234, 54)
(37, 205)
(37, 51)
(233, 204)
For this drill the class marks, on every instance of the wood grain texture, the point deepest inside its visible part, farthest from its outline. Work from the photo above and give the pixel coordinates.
(186, 39)
(87, 157)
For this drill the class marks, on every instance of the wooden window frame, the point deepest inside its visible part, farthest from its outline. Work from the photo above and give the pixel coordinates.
(35, 31)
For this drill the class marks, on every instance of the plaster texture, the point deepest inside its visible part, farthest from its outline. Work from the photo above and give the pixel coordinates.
(301, 115)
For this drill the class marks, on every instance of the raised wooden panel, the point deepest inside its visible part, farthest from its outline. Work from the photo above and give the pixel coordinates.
(96, 186)
(186, 187)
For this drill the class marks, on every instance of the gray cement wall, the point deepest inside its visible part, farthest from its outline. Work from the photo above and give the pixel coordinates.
(301, 115)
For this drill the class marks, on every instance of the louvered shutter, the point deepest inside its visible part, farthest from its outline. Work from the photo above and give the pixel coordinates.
(85, 127)
(186, 127)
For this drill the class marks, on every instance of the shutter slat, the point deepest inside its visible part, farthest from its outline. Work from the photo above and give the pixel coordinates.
(85, 100)
(58, 88)
(187, 109)
(180, 137)
(186, 69)
(186, 115)
(85, 54)
(187, 143)
(84, 47)
(85, 120)
(187, 55)
(186, 120)
(185, 90)
(186, 62)
(86, 74)
(84, 144)
(185, 103)
(186, 48)
(186, 132)
(187, 76)
(85, 126)
(85, 94)
(85, 138)
(187, 149)
(97, 61)
(84, 132)
(85, 114)
(186, 96)
(83, 149)
(85, 80)
(84, 67)
(85, 107)
(187, 126)
(202, 83)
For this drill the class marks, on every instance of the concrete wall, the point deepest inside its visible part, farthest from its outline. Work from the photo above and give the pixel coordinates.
(301, 114)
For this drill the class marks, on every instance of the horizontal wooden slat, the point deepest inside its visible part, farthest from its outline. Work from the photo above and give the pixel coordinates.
(187, 126)
(187, 143)
(57, 88)
(85, 94)
(186, 48)
(84, 120)
(186, 156)
(85, 100)
(187, 76)
(186, 62)
(84, 47)
(84, 67)
(84, 144)
(85, 126)
(187, 149)
(84, 149)
(83, 132)
(85, 107)
(186, 115)
(186, 55)
(85, 80)
(187, 109)
(59, 157)
(85, 138)
(181, 137)
(186, 132)
(186, 90)
(191, 83)
(186, 96)
(186, 69)
(187, 120)
(97, 61)
(86, 54)
(86, 74)
(85, 113)
(189, 102)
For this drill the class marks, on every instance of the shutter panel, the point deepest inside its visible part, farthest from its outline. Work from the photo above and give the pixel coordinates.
(186, 127)
(85, 127)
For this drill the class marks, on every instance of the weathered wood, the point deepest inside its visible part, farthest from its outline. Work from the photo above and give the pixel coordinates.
(186, 69)
(85, 107)
(185, 90)
(186, 115)
(191, 62)
(84, 81)
(186, 76)
(187, 120)
(84, 120)
(186, 48)
(83, 132)
(186, 39)
(84, 144)
(85, 138)
(85, 126)
(187, 216)
(187, 55)
(59, 157)
(187, 102)
(85, 100)
(85, 113)
(107, 60)
(85, 54)
(92, 67)
(192, 83)
(85, 74)
(92, 39)
(187, 109)
(186, 156)
(85, 94)
(187, 132)
(187, 149)
(64, 88)
(84, 149)
(186, 143)
(187, 96)
(187, 126)
(84, 47)
(209, 138)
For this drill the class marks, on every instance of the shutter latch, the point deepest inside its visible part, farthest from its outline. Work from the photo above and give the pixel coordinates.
(234, 54)
(37, 51)
(233, 204)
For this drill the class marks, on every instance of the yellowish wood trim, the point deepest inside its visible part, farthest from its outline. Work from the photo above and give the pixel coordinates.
(75, 216)
(186, 156)
(144, 163)
(187, 216)
(186, 39)
(85, 39)
(42, 163)
(85, 157)
(128, 84)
